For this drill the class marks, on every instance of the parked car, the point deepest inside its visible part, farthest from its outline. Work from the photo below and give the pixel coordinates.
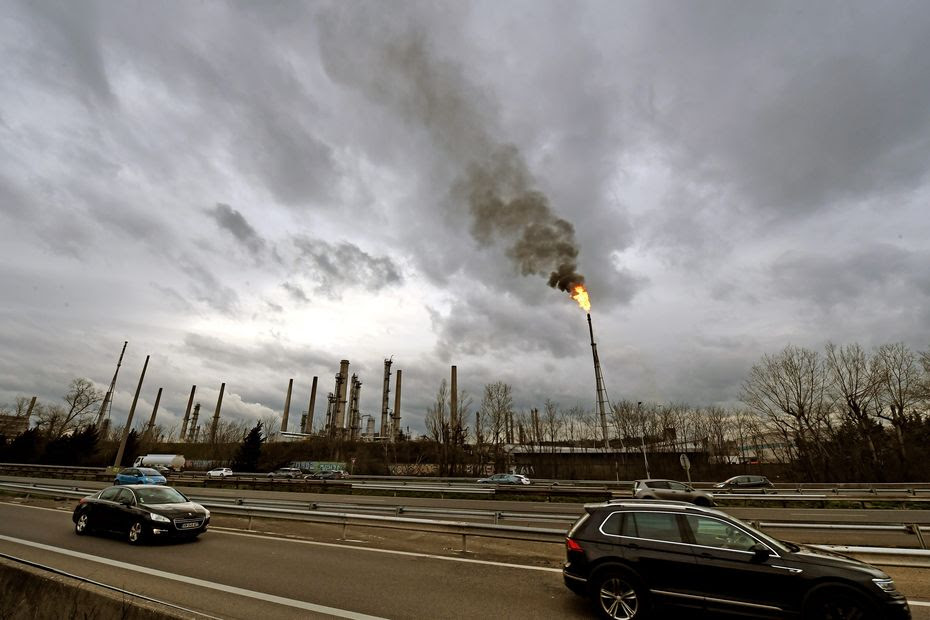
(505, 479)
(285, 472)
(635, 559)
(329, 474)
(745, 482)
(139, 475)
(141, 513)
(219, 472)
(670, 489)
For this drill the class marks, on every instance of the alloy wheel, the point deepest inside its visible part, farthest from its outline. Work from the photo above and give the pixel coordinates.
(83, 524)
(618, 599)
(136, 532)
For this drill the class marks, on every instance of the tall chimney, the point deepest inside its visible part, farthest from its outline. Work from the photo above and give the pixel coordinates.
(308, 425)
(151, 426)
(187, 413)
(385, 393)
(395, 417)
(454, 403)
(216, 414)
(342, 384)
(192, 431)
(132, 411)
(287, 405)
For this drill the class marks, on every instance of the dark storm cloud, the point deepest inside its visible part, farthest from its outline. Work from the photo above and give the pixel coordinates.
(206, 288)
(795, 106)
(235, 223)
(295, 292)
(334, 266)
(400, 67)
(483, 322)
(877, 272)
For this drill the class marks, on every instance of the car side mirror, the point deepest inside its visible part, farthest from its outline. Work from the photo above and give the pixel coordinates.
(760, 551)
(126, 502)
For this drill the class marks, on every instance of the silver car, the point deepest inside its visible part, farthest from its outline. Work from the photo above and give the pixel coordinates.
(671, 489)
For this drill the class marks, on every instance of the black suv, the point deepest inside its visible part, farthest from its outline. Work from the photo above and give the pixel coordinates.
(635, 557)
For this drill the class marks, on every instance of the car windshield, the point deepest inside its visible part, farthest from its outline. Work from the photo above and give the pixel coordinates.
(159, 495)
(145, 471)
(774, 543)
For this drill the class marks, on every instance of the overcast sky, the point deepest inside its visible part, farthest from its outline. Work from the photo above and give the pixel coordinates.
(251, 192)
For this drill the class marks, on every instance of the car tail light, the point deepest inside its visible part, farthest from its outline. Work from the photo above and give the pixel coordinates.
(572, 545)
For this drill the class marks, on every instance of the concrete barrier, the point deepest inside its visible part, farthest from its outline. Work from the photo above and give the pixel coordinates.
(30, 593)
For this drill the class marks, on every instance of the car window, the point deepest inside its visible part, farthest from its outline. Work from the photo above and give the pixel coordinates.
(711, 532)
(125, 495)
(653, 525)
(613, 524)
(110, 494)
(159, 495)
(658, 484)
(677, 486)
(149, 472)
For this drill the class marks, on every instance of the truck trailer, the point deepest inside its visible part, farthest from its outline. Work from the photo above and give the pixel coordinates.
(174, 462)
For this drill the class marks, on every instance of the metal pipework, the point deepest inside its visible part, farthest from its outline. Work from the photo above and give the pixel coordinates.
(395, 417)
(385, 393)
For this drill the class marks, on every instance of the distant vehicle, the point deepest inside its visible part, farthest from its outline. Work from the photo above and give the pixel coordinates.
(139, 475)
(171, 461)
(164, 471)
(285, 472)
(657, 488)
(329, 474)
(635, 560)
(219, 472)
(505, 479)
(745, 482)
(141, 513)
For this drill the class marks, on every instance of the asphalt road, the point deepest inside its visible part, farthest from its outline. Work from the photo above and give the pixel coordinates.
(229, 574)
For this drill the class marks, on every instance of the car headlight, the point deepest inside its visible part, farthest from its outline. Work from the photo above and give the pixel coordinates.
(886, 585)
(159, 518)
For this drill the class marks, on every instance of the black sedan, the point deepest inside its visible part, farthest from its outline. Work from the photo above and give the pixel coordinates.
(141, 513)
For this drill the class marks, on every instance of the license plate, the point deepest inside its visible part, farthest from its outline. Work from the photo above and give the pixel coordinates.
(187, 526)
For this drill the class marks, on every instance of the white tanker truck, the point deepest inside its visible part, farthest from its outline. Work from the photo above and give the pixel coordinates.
(171, 461)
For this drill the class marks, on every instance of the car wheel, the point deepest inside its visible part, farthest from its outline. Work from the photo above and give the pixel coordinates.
(82, 525)
(136, 533)
(838, 604)
(618, 596)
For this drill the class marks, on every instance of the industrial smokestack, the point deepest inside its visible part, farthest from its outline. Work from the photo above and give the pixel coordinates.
(151, 427)
(385, 394)
(330, 413)
(287, 405)
(187, 413)
(395, 417)
(132, 411)
(216, 414)
(308, 423)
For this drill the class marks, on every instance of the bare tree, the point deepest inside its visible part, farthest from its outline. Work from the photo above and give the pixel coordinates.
(81, 400)
(900, 389)
(496, 407)
(855, 384)
(790, 391)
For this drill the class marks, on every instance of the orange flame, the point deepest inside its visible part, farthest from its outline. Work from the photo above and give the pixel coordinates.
(580, 294)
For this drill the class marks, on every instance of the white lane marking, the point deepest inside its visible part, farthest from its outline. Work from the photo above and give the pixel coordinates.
(64, 510)
(918, 603)
(219, 530)
(271, 598)
(413, 554)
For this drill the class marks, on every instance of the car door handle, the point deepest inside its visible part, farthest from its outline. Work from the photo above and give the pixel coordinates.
(707, 555)
(633, 546)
